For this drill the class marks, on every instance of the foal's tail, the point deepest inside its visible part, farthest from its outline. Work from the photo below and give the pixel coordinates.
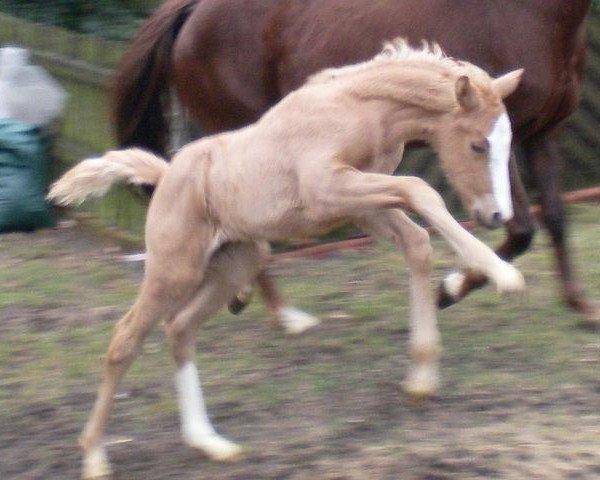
(141, 83)
(95, 176)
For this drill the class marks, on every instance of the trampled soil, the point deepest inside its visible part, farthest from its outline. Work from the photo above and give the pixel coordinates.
(324, 406)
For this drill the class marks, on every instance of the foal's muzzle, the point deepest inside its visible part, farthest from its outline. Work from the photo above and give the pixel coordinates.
(487, 213)
(491, 222)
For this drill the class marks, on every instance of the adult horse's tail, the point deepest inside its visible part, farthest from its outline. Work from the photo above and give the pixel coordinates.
(141, 82)
(94, 177)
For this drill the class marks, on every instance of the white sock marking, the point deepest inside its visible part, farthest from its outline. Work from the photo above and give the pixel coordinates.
(500, 138)
(194, 419)
(195, 425)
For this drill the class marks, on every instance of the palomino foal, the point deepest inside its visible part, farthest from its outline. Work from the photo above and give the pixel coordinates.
(320, 158)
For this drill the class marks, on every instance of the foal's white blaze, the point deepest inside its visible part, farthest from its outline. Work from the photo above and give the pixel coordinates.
(195, 425)
(499, 139)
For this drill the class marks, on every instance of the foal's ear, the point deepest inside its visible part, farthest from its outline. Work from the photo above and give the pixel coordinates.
(466, 94)
(508, 83)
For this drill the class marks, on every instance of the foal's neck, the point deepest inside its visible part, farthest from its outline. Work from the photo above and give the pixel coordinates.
(410, 102)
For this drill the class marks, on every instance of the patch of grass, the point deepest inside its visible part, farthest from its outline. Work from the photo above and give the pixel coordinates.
(352, 363)
(34, 283)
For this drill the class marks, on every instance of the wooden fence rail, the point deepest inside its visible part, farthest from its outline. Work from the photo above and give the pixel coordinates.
(83, 65)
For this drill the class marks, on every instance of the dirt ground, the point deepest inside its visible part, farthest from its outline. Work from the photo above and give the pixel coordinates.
(520, 397)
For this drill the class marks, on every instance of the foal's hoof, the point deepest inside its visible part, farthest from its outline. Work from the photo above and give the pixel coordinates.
(508, 279)
(241, 301)
(223, 451)
(421, 384)
(101, 476)
(295, 321)
(236, 306)
(217, 448)
(419, 399)
(96, 466)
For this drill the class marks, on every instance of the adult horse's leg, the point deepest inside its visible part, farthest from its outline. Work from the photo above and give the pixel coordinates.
(233, 266)
(543, 153)
(396, 227)
(520, 232)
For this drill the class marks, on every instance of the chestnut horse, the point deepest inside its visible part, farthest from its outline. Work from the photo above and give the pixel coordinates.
(321, 157)
(233, 59)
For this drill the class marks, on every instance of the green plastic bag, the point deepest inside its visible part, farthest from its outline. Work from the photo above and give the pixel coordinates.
(24, 178)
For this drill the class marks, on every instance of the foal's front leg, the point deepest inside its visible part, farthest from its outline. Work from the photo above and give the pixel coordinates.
(346, 192)
(396, 227)
(520, 230)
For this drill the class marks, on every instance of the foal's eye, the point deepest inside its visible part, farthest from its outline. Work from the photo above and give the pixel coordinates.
(480, 147)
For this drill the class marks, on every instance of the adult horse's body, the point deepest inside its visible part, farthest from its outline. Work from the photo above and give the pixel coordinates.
(322, 156)
(235, 58)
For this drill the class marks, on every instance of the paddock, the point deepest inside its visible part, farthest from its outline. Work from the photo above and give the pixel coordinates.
(519, 396)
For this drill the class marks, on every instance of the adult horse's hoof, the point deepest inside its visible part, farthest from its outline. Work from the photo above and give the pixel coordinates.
(591, 318)
(457, 285)
(445, 299)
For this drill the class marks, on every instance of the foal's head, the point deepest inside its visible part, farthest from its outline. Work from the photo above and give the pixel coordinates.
(470, 129)
(473, 141)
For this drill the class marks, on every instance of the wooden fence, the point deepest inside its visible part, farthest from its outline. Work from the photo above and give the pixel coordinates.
(83, 66)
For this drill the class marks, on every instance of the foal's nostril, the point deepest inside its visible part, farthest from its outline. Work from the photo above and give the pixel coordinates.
(495, 220)
(491, 222)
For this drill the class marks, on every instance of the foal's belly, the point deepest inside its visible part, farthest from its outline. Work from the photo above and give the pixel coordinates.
(279, 221)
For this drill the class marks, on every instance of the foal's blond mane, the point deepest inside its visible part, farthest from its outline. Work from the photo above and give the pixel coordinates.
(399, 50)
(427, 73)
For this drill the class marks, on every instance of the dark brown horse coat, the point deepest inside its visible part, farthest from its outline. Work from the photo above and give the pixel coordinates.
(230, 60)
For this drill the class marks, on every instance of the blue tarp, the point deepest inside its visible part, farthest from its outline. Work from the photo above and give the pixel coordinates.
(24, 178)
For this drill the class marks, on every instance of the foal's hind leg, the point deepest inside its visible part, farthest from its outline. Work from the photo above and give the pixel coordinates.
(396, 227)
(128, 334)
(169, 284)
(292, 320)
(232, 267)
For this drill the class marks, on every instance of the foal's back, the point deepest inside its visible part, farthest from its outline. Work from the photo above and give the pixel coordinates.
(270, 180)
